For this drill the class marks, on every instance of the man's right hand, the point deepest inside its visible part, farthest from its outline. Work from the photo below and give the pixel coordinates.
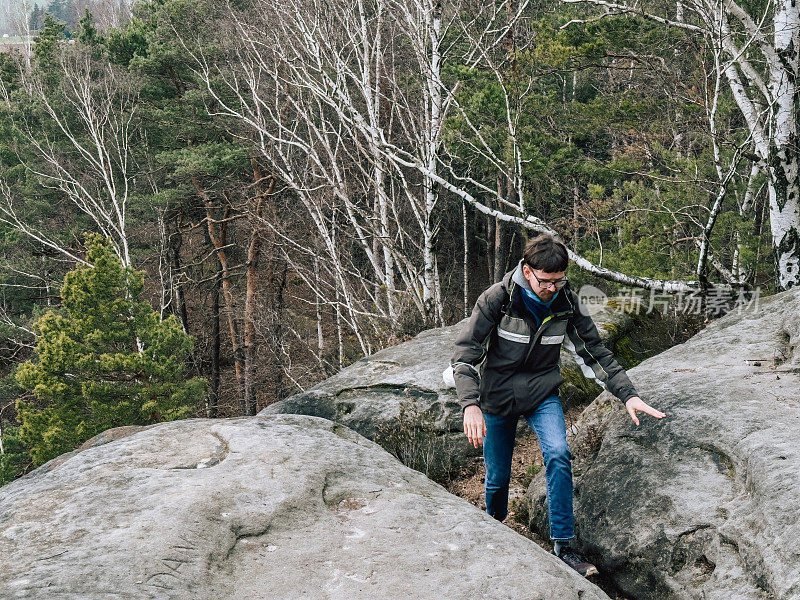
(474, 425)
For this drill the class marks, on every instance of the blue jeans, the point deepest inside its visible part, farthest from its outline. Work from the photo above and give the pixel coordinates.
(547, 420)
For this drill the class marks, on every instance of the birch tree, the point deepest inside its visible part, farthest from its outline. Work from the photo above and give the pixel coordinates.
(281, 90)
(76, 138)
(308, 82)
(340, 76)
(760, 51)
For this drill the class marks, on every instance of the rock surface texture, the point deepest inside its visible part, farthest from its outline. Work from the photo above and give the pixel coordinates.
(260, 507)
(368, 396)
(704, 504)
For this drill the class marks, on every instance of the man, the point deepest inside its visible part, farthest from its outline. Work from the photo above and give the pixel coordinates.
(506, 366)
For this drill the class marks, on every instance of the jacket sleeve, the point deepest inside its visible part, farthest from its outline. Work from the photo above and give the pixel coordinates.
(595, 360)
(472, 345)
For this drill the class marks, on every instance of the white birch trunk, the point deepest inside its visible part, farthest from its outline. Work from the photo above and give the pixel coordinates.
(434, 22)
(737, 268)
(782, 159)
(465, 258)
(379, 171)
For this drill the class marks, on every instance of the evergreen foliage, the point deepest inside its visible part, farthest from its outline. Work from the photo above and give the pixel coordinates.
(47, 41)
(89, 35)
(103, 360)
(14, 457)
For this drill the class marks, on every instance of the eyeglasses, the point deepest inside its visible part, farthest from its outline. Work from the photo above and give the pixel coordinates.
(557, 284)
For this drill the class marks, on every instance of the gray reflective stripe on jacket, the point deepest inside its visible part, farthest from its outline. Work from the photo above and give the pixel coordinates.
(506, 365)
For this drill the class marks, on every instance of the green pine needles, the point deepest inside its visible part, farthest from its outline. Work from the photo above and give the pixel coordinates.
(104, 359)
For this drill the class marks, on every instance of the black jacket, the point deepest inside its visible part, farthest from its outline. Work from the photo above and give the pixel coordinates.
(507, 366)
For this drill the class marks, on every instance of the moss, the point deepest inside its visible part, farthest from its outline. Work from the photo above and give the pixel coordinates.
(649, 335)
(577, 390)
(521, 510)
(625, 353)
(530, 472)
(417, 442)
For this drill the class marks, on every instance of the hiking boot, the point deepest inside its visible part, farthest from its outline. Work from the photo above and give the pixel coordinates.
(577, 562)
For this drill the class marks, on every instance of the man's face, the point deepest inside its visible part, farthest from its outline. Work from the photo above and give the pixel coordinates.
(541, 282)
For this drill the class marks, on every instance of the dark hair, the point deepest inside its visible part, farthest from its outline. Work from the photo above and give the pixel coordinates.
(546, 254)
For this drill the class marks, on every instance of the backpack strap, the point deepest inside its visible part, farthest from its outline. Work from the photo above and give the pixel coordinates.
(507, 301)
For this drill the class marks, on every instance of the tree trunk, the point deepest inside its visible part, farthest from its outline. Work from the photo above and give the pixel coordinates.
(490, 227)
(745, 207)
(176, 241)
(218, 237)
(432, 141)
(466, 258)
(782, 160)
(379, 175)
(278, 286)
(213, 395)
(499, 250)
(251, 286)
(318, 308)
(339, 332)
(775, 138)
(784, 212)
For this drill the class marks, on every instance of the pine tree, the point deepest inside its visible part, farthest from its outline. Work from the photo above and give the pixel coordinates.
(35, 20)
(103, 360)
(47, 41)
(89, 36)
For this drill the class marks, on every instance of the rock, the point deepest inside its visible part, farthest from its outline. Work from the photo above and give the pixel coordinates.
(368, 395)
(704, 503)
(109, 435)
(617, 329)
(278, 507)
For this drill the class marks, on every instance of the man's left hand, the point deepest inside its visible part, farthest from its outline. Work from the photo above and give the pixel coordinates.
(635, 404)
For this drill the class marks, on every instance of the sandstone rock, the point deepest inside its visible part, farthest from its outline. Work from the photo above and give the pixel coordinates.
(704, 503)
(617, 329)
(109, 435)
(278, 507)
(368, 395)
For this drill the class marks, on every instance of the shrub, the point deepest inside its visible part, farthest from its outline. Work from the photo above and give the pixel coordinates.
(103, 360)
(418, 443)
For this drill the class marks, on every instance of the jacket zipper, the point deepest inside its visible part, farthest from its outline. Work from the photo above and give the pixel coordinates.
(539, 333)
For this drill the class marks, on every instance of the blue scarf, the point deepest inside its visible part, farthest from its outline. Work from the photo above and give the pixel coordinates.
(537, 307)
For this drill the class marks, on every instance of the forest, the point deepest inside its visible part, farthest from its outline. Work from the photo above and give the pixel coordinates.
(206, 207)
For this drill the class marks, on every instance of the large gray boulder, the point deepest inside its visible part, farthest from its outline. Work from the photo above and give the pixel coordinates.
(620, 332)
(278, 507)
(704, 504)
(397, 397)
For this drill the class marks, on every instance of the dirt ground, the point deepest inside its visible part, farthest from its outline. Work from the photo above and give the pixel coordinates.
(527, 458)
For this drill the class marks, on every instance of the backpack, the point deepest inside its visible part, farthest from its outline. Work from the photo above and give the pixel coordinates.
(447, 375)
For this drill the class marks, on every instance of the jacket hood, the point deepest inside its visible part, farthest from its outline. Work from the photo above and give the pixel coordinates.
(518, 278)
